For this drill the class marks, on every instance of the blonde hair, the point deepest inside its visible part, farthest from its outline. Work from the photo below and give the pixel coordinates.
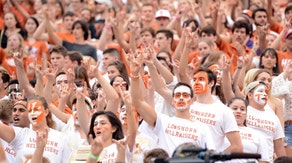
(20, 48)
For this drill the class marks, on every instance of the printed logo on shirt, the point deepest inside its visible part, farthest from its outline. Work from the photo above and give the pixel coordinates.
(181, 131)
(51, 146)
(260, 123)
(204, 117)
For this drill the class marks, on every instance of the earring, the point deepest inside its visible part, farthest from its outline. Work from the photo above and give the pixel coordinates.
(274, 65)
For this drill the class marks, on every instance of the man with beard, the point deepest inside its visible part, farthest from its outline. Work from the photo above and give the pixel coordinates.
(264, 121)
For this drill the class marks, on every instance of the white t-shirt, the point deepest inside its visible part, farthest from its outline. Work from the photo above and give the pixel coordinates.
(110, 153)
(267, 124)
(143, 143)
(252, 143)
(173, 131)
(9, 152)
(218, 117)
(24, 144)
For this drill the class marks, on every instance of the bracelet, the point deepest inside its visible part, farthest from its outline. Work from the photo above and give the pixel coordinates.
(93, 157)
(134, 77)
(239, 68)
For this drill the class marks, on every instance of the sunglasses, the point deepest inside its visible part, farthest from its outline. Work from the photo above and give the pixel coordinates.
(120, 83)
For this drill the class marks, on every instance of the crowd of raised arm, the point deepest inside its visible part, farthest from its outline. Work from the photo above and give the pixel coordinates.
(134, 80)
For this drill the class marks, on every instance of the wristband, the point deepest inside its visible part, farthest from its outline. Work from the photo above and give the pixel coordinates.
(93, 157)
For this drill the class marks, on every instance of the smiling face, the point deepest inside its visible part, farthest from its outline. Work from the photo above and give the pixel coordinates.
(182, 98)
(36, 112)
(200, 81)
(239, 110)
(260, 95)
(102, 127)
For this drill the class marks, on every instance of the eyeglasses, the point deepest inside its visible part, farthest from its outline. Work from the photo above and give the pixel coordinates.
(183, 94)
(120, 83)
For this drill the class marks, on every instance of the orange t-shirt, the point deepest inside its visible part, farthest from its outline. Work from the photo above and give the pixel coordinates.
(283, 58)
(36, 49)
(230, 50)
(64, 36)
(7, 62)
(277, 27)
(20, 17)
(67, 109)
(1, 23)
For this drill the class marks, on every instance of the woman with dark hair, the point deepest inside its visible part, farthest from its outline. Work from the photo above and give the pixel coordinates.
(81, 35)
(35, 48)
(23, 140)
(81, 75)
(117, 68)
(11, 26)
(251, 141)
(269, 61)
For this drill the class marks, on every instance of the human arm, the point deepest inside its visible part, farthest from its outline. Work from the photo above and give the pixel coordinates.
(2, 154)
(183, 64)
(104, 36)
(111, 94)
(21, 75)
(20, 8)
(226, 83)
(121, 146)
(6, 132)
(95, 149)
(41, 141)
(145, 110)
(235, 142)
(279, 147)
(52, 34)
(82, 111)
(132, 124)
(159, 85)
(39, 33)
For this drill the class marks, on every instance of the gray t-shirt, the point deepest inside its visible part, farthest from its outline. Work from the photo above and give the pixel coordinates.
(85, 49)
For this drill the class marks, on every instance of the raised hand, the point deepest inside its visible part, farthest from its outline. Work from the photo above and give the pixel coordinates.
(135, 61)
(41, 138)
(96, 145)
(288, 71)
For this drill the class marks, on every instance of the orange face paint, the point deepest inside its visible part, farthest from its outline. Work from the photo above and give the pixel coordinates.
(200, 85)
(36, 111)
(260, 95)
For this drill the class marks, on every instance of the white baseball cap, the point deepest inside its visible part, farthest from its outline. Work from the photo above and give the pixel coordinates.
(107, 2)
(162, 13)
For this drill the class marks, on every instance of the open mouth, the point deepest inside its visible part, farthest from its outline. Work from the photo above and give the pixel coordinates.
(33, 118)
(98, 133)
(15, 119)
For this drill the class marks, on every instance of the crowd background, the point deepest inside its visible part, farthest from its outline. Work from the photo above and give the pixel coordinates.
(131, 80)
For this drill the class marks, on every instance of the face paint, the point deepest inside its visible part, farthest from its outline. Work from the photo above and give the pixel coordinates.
(182, 98)
(61, 83)
(200, 83)
(218, 72)
(36, 111)
(101, 125)
(260, 95)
